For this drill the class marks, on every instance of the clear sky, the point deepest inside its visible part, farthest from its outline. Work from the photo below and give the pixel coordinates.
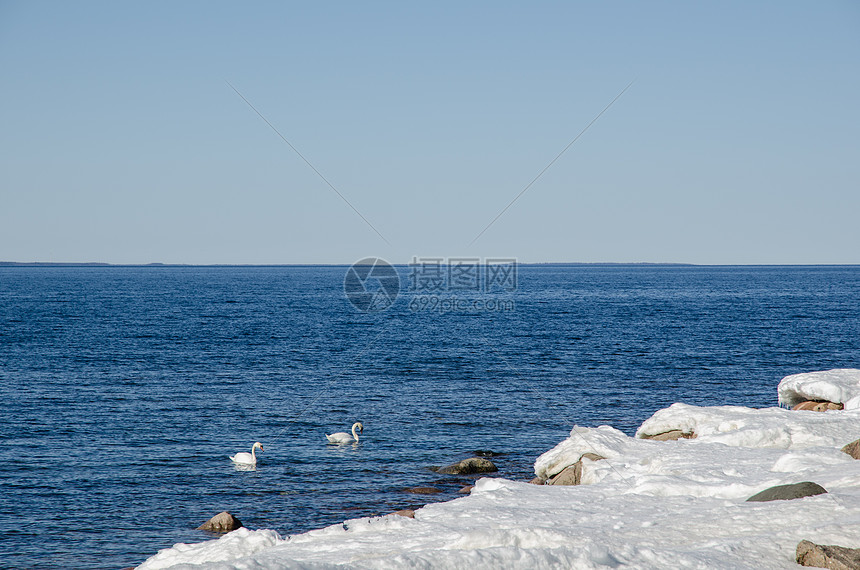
(121, 141)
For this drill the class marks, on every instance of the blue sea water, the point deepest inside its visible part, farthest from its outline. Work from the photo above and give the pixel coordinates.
(124, 389)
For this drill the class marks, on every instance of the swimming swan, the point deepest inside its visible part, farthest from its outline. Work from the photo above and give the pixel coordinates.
(247, 458)
(343, 437)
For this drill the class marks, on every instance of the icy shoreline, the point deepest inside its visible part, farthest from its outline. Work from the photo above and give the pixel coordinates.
(648, 504)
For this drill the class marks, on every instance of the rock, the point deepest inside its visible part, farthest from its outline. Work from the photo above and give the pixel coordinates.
(538, 481)
(591, 456)
(222, 522)
(853, 449)
(422, 490)
(827, 556)
(408, 513)
(467, 489)
(788, 492)
(817, 406)
(572, 474)
(668, 435)
(486, 453)
(469, 466)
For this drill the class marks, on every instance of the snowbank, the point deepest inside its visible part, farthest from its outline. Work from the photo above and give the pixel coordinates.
(841, 386)
(649, 504)
(748, 427)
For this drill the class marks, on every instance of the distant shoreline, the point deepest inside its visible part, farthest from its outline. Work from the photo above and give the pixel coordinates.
(523, 264)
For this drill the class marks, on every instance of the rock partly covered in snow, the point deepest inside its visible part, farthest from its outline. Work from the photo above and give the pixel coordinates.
(815, 406)
(748, 427)
(603, 441)
(672, 435)
(572, 475)
(788, 492)
(840, 386)
(852, 449)
(827, 556)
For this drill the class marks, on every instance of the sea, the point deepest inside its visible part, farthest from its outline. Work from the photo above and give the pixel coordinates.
(125, 388)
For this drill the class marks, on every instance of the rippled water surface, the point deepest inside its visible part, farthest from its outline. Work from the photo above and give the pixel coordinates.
(125, 388)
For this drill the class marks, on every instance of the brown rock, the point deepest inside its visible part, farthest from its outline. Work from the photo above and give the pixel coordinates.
(467, 489)
(222, 522)
(408, 513)
(469, 466)
(572, 474)
(538, 481)
(817, 406)
(853, 449)
(668, 435)
(591, 456)
(827, 556)
(422, 490)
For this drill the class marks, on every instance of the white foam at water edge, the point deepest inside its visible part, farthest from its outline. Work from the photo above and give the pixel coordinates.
(649, 504)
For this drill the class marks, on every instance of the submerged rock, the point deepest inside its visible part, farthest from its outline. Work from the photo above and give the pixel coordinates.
(827, 556)
(853, 449)
(817, 406)
(669, 435)
(422, 490)
(222, 522)
(486, 453)
(469, 466)
(788, 492)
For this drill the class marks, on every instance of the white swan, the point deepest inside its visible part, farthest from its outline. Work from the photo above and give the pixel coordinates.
(247, 458)
(343, 437)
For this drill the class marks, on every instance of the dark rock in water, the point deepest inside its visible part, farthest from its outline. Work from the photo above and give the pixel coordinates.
(222, 522)
(788, 492)
(408, 513)
(422, 490)
(572, 474)
(469, 466)
(827, 556)
(817, 406)
(668, 435)
(538, 481)
(853, 449)
(486, 453)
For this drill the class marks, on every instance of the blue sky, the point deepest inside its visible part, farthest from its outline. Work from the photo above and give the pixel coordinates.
(121, 141)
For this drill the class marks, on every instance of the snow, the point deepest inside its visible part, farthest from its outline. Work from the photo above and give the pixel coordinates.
(649, 504)
(841, 386)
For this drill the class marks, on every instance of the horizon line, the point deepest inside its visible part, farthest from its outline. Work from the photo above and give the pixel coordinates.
(577, 263)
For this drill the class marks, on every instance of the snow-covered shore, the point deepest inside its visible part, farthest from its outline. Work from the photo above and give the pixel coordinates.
(648, 504)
